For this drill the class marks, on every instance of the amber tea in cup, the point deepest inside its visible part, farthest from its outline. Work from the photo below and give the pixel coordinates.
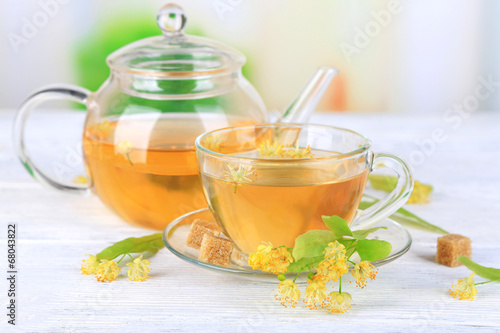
(273, 182)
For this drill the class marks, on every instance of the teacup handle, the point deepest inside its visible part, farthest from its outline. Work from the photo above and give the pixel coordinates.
(62, 92)
(394, 200)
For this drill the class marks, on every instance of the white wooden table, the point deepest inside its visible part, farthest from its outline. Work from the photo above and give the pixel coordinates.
(55, 231)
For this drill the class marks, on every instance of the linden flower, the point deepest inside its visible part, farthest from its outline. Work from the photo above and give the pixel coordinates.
(297, 152)
(464, 289)
(315, 294)
(338, 302)
(270, 149)
(124, 148)
(107, 270)
(89, 265)
(420, 194)
(280, 260)
(334, 265)
(362, 271)
(288, 293)
(80, 180)
(267, 259)
(139, 270)
(240, 175)
(101, 130)
(213, 143)
(260, 258)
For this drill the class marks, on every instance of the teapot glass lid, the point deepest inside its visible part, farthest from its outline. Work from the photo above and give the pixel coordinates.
(175, 54)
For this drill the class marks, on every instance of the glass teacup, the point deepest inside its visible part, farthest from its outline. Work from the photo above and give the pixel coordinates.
(274, 182)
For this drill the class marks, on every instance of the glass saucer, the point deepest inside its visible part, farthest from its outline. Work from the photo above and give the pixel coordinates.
(176, 232)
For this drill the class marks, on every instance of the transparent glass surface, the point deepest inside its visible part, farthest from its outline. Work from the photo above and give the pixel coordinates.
(175, 235)
(274, 182)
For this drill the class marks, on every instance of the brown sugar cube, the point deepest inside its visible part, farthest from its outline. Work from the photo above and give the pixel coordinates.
(450, 247)
(216, 250)
(198, 229)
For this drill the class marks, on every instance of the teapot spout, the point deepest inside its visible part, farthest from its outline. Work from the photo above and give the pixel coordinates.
(302, 107)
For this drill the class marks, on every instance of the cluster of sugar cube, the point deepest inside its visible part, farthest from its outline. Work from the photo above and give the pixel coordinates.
(450, 247)
(204, 235)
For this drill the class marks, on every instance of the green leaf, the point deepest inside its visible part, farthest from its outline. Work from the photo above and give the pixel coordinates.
(485, 272)
(383, 182)
(152, 243)
(405, 217)
(373, 249)
(361, 234)
(304, 264)
(337, 225)
(312, 244)
(350, 246)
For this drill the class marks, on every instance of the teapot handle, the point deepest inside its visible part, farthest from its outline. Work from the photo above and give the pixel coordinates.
(62, 92)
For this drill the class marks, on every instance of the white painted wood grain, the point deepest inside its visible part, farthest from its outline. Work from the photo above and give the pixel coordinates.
(410, 294)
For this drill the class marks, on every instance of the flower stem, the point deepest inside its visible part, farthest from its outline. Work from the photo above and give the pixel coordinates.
(235, 187)
(476, 284)
(130, 256)
(121, 258)
(128, 158)
(352, 262)
(296, 276)
(340, 285)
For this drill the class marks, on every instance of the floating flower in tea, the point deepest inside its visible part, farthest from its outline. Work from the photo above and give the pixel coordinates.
(270, 149)
(125, 148)
(297, 152)
(239, 176)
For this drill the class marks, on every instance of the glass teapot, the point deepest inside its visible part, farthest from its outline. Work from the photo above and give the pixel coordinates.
(141, 124)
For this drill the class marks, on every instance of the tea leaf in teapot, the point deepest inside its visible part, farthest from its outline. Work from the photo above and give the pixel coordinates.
(373, 249)
(312, 244)
(361, 234)
(152, 243)
(484, 272)
(337, 225)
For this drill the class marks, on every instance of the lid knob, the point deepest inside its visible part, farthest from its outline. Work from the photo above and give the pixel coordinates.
(171, 20)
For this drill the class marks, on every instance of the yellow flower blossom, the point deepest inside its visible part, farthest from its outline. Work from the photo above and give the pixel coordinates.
(421, 193)
(80, 180)
(107, 270)
(362, 271)
(288, 293)
(267, 259)
(464, 289)
(260, 258)
(338, 302)
(244, 174)
(139, 270)
(297, 152)
(125, 148)
(315, 294)
(334, 265)
(89, 265)
(213, 142)
(270, 149)
(100, 130)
